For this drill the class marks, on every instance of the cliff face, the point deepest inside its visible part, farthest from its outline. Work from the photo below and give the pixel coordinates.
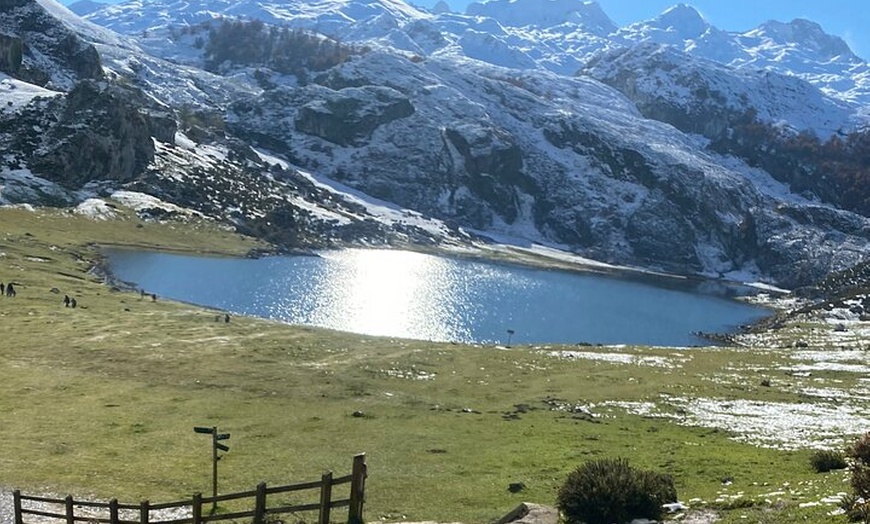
(50, 54)
(11, 52)
(97, 132)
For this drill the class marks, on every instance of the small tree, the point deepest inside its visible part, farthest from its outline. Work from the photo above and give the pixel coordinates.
(609, 490)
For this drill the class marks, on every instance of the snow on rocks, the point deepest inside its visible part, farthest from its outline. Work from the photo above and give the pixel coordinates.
(15, 94)
(144, 204)
(96, 209)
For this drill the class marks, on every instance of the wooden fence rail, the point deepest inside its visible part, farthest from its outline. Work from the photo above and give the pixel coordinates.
(112, 511)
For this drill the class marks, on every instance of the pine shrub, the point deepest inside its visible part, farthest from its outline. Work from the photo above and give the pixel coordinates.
(610, 490)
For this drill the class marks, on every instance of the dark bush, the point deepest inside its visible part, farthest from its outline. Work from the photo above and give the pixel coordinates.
(610, 490)
(857, 509)
(826, 460)
(861, 480)
(860, 450)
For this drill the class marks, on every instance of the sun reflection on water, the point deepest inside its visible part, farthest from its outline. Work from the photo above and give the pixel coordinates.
(388, 293)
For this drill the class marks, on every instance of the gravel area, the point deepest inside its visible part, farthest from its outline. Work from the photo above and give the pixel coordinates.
(7, 511)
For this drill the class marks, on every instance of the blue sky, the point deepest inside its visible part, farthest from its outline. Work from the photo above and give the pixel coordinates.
(848, 19)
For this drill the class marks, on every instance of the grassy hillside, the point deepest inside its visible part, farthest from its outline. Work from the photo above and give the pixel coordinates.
(101, 400)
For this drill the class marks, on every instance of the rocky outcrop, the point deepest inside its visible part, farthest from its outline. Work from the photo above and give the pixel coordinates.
(349, 116)
(52, 55)
(98, 132)
(11, 49)
(660, 230)
(493, 165)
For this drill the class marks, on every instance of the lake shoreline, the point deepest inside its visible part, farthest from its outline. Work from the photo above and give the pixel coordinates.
(541, 303)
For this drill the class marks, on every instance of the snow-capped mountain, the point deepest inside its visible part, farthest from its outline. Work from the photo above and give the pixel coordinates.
(620, 144)
(559, 35)
(798, 48)
(328, 17)
(544, 14)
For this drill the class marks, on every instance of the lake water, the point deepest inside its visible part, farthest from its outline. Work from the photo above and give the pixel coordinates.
(413, 295)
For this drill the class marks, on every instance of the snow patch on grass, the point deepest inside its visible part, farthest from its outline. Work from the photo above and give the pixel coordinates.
(620, 358)
(778, 425)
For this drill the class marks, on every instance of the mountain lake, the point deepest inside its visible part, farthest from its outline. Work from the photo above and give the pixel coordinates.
(412, 295)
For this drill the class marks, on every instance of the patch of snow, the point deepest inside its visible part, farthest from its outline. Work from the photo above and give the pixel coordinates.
(143, 202)
(619, 358)
(778, 425)
(96, 209)
(15, 94)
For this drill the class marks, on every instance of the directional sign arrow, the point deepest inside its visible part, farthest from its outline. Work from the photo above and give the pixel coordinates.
(222, 447)
(203, 430)
(222, 436)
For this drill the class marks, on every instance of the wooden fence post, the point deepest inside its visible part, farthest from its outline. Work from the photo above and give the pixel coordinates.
(357, 489)
(260, 504)
(113, 511)
(144, 512)
(16, 498)
(197, 508)
(325, 497)
(70, 510)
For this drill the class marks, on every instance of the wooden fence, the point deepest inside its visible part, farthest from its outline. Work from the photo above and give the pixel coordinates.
(258, 514)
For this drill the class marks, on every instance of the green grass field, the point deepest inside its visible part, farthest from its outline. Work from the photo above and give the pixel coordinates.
(101, 400)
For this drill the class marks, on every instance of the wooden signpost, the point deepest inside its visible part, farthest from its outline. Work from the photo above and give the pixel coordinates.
(215, 446)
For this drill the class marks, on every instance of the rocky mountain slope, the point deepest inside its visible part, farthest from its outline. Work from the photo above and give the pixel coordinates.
(560, 128)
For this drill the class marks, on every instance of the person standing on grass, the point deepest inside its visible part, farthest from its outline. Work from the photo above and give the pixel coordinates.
(10, 291)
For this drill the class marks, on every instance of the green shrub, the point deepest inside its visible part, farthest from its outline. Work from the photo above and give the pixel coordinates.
(826, 460)
(609, 490)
